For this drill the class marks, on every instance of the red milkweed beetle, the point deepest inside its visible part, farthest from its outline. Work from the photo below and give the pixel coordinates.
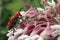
(14, 19)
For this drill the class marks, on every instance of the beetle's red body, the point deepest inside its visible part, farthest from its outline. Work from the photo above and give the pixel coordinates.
(13, 20)
(17, 14)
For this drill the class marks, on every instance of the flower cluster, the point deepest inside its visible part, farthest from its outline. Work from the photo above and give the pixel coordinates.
(38, 23)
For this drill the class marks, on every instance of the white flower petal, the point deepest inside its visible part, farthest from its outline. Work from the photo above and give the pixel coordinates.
(11, 38)
(22, 13)
(51, 3)
(40, 9)
(10, 34)
(40, 38)
(9, 30)
(55, 26)
(22, 37)
(18, 31)
(28, 38)
(20, 20)
(55, 33)
(58, 38)
(34, 37)
(47, 7)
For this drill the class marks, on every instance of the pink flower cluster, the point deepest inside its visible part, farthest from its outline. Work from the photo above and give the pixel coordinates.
(42, 24)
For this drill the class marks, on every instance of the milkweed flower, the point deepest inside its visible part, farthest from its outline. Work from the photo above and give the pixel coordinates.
(37, 23)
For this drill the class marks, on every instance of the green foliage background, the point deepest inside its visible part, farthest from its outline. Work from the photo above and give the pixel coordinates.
(8, 8)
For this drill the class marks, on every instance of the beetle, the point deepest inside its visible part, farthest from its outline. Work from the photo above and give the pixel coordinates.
(14, 19)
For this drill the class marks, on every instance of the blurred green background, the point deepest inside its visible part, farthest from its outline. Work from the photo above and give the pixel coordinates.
(8, 8)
